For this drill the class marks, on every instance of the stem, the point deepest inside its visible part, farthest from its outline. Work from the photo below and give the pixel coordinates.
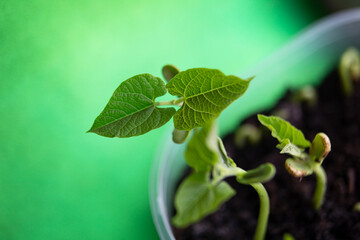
(220, 172)
(260, 189)
(177, 102)
(319, 193)
(263, 211)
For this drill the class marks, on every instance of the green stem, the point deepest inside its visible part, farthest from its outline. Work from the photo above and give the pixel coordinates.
(263, 211)
(319, 194)
(260, 189)
(220, 172)
(177, 102)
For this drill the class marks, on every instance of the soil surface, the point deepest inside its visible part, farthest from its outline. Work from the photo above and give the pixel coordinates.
(290, 198)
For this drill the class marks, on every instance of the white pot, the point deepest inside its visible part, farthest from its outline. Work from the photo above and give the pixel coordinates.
(304, 60)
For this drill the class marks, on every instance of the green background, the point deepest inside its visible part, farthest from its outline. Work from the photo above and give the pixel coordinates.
(60, 61)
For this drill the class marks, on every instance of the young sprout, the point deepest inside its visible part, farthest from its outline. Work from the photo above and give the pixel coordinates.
(307, 95)
(205, 190)
(247, 133)
(292, 142)
(349, 69)
(202, 94)
(356, 207)
(169, 72)
(288, 236)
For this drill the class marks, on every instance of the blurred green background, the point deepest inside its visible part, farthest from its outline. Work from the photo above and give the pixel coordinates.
(60, 61)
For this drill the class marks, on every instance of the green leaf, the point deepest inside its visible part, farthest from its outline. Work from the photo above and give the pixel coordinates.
(263, 173)
(298, 168)
(320, 147)
(197, 198)
(283, 130)
(206, 93)
(202, 150)
(287, 147)
(131, 110)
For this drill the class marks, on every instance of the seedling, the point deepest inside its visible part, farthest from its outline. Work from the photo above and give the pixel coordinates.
(349, 70)
(247, 134)
(356, 207)
(288, 236)
(306, 95)
(202, 94)
(205, 190)
(292, 141)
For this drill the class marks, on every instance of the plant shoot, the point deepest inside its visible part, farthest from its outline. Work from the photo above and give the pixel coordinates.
(292, 142)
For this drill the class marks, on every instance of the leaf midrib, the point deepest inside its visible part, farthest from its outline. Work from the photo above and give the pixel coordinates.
(213, 89)
(142, 109)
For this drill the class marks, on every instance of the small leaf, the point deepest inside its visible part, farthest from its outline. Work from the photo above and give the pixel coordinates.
(283, 130)
(180, 136)
(298, 168)
(169, 71)
(197, 197)
(320, 147)
(263, 173)
(202, 150)
(206, 93)
(131, 110)
(287, 147)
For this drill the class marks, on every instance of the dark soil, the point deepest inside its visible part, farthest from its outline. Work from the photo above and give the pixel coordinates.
(290, 198)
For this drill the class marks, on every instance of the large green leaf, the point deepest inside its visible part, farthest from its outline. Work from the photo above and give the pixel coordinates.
(206, 92)
(202, 150)
(131, 110)
(283, 130)
(197, 198)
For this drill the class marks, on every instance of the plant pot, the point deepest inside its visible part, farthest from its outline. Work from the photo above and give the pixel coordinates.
(305, 60)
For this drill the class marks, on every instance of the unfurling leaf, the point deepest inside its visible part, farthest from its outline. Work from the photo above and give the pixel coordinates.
(283, 130)
(287, 147)
(320, 147)
(263, 173)
(180, 136)
(197, 198)
(206, 93)
(169, 71)
(298, 168)
(131, 110)
(228, 162)
(202, 150)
